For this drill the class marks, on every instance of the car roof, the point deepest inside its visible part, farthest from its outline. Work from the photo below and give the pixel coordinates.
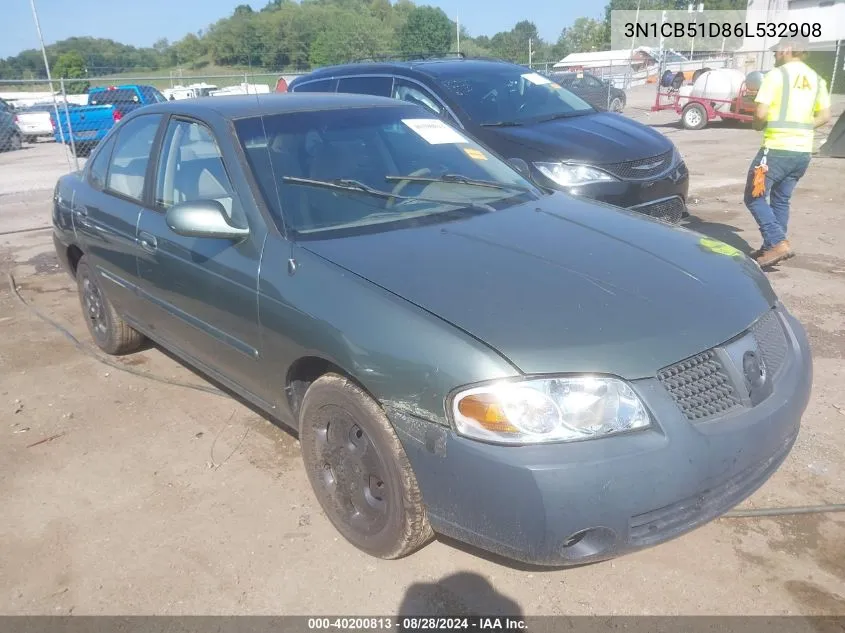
(242, 106)
(430, 67)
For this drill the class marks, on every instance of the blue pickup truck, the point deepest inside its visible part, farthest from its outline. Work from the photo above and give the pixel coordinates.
(90, 123)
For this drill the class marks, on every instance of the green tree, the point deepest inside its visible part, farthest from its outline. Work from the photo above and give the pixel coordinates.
(350, 37)
(71, 66)
(427, 31)
(586, 34)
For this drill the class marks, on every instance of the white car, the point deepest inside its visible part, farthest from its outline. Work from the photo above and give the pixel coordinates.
(34, 121)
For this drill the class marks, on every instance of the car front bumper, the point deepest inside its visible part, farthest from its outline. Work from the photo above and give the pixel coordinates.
(663, 197)
(570, 504)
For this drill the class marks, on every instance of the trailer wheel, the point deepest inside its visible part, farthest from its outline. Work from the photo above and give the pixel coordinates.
(694, 116)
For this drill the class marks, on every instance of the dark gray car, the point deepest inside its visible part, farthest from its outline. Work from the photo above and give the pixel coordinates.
(11, 137)
(599, 93)
(460, 352)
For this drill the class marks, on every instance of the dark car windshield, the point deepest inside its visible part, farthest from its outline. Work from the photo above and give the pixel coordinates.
(511, 94)
(341, 170)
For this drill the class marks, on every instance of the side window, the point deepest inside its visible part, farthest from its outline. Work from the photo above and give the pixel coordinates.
(376, 86)
(593, 82)
(413, 93)
(324, 85)
(131, 155)
(191, 169)
(100, 164)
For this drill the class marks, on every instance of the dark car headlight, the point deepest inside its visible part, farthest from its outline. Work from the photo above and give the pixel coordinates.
(573, 175)
(544, 410)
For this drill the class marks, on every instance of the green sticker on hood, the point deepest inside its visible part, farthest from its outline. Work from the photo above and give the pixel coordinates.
(719, 247)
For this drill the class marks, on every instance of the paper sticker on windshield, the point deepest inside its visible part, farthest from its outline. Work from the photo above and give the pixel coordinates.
(474, 153)
(537, 79)
(434, 131)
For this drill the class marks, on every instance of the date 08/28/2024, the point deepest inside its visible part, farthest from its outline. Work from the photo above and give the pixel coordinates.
(421, 623)
(722, 29)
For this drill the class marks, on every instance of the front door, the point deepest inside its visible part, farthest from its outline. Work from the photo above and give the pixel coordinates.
(201, 292)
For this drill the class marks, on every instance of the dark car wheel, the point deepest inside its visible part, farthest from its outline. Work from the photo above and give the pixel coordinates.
(616, 105)
(359, 470)
(83, 150)
(14, 143)
(109, 331)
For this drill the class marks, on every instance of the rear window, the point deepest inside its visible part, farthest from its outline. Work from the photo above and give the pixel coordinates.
(113, 97)
(323, 85)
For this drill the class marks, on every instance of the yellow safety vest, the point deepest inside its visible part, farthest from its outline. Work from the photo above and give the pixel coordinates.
(794, 92)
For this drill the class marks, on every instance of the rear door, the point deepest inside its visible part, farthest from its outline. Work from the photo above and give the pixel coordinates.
(105, 213)
(200, 293)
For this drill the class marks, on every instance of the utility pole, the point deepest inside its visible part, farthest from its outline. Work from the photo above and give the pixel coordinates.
(458, 28)
(530, 52)
(50, 81)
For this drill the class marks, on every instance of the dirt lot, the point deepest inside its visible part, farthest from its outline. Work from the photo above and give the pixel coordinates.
(122, 495)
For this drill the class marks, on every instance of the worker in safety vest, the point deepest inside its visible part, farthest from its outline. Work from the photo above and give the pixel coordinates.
(791, 103)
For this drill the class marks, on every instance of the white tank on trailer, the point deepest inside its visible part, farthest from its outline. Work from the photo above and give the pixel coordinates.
(722, 83)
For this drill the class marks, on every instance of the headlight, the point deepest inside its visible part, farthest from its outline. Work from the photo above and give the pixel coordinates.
(549, 410)
(567, 175)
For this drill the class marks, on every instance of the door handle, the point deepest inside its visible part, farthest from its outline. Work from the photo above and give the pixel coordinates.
(147, 241)
(80, 212)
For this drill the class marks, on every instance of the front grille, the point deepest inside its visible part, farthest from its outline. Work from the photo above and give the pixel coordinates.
(771, 339)
(641, 169)
(700, 386)
(664, 523)
(670, 210)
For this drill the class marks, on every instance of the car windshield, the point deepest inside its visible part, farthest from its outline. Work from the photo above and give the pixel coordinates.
(511, 95)
(342, 170)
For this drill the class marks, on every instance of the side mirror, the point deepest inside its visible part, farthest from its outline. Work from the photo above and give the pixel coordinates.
(202, 218)
(521, 166)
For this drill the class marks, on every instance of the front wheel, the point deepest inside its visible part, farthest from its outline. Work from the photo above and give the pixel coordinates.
(359, 471)
(15, 143)
(109, 331)
(694, 116)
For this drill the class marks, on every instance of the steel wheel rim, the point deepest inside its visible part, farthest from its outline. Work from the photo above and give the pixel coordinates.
(616, 105)
(693, 117)
(94, 307)
(351, 473)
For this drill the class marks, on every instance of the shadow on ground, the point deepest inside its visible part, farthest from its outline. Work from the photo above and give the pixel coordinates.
(727, 233)
(461, 594)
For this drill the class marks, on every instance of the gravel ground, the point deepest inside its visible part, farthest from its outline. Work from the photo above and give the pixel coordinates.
(122, 495)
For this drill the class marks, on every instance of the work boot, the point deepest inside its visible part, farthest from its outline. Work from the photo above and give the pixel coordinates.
(775, 254)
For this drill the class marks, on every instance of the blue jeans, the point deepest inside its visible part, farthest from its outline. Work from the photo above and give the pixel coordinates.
(785, 170)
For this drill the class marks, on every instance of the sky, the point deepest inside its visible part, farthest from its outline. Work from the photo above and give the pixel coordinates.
(142, 23)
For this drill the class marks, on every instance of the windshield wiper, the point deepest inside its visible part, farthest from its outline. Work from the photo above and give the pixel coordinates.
(459, 179)
(563, 115)
(356, 186)
(502, 124)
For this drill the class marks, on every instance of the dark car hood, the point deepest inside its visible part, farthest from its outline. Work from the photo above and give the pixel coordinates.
(564, 285)
(598, 138)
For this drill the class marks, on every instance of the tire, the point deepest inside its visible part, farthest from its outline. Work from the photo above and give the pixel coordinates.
(343, 432)
(31, 140)
(616, 105)
(694, 116)
(15, 143)
(109, 331)
(83, 150)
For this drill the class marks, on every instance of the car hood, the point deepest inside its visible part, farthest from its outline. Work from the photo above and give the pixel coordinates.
(565, 285)
(600, 138)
